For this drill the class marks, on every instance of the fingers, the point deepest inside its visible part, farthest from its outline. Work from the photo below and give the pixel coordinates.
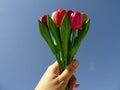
(55, 64)
(54, 68)
(69, 71)
(72, 83)
(76, 85)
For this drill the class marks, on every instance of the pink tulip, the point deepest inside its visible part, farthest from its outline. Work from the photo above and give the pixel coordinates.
(76, 20)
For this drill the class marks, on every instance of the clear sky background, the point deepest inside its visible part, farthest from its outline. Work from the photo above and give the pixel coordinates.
(24, 55)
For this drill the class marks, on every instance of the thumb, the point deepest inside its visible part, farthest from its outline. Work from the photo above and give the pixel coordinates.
(69, 71)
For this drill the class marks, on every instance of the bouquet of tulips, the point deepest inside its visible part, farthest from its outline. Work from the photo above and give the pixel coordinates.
(64, 31)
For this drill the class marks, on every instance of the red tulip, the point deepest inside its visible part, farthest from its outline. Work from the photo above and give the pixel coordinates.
(59, 16)
(43, 19)
(76, 20)
(69, 13)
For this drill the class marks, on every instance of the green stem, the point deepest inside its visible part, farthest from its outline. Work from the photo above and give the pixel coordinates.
(67, 88)
(73, 37)
(59, 62)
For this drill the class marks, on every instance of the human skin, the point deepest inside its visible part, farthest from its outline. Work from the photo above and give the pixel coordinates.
(53, 79)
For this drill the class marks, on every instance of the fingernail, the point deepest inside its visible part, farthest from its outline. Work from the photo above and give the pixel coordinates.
(75, 63)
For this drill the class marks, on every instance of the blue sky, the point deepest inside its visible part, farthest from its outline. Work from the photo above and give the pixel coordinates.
(24, 55)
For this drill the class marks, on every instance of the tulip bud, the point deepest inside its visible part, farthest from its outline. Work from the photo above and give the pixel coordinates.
(76, 20)
(59, 16)
(43, 19)
(84, 17)
(69, 13)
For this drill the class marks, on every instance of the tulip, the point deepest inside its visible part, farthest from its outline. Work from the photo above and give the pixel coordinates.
(84, 16)
(53, 15)
(59, 16)
(43, 19)
(69, 13)
(76, 20)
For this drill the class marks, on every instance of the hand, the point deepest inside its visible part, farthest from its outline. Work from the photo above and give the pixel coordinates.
(53, 79)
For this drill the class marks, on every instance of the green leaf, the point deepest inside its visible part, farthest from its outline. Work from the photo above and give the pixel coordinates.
(65, 34)
(46, 35)
(44, 31)
(81, 34)
(55, 32)
(73, 36)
